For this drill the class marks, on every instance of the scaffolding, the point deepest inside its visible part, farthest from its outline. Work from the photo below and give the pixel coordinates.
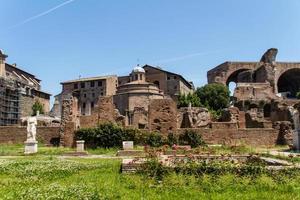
(9, 102)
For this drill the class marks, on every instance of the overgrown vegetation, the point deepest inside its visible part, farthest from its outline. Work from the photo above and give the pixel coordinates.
(191, 98)
(214, 97)
(110, 135)
(52, 178)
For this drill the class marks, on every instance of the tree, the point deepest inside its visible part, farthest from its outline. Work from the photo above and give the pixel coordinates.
(185, 100)
(214, 96)
(298, 95)
(37, 106)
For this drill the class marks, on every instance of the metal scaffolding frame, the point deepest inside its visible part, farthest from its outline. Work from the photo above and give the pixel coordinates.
(9, 102)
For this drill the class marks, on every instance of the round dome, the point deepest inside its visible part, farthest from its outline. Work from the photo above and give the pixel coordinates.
(138, 69)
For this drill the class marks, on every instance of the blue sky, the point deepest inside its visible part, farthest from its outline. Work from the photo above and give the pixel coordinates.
(59, 40)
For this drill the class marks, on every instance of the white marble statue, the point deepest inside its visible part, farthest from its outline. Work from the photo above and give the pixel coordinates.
(31, 128)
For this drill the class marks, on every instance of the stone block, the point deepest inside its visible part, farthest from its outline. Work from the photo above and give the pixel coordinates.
(80, 146)
(31, 147)
(128, 145)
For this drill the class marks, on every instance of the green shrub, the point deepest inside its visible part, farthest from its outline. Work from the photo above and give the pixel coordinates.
(154, 139)
(153, 168)
(190, 137)
(105, 135)
(172, 139)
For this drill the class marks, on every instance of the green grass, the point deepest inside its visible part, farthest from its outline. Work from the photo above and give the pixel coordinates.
(18, 150)
(41, 177)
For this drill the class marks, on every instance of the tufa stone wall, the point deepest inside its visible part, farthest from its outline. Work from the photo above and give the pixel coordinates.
(251, 137)
(103, 112)
(68, 125)
(162, 115)
(18, 134)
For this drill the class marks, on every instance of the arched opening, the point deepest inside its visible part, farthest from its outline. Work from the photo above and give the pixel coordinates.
(234, 76)
(232, 80)
(232, 86)
(289, 83)
(156, 83)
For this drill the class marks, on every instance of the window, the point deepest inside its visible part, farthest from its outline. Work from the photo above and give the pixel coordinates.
(92, 83)
(82, 84)
(101, 93)
(99, 83)
(141, 76)
(168, 77)
(92, 105)
(83, 105)
(175, 87)
(84, 95)
(136, 77)
(175, 77)
(93, 94)
(75, 85)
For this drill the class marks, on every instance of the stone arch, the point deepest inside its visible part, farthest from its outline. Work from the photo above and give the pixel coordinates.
(288, 82)
(233, 77)
(232, 80)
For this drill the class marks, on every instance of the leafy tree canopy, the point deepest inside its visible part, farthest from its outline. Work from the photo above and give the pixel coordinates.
(37, 106)
(185, 100)
(214, 96)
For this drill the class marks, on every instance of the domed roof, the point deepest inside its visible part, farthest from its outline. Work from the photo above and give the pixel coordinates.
(138, 69)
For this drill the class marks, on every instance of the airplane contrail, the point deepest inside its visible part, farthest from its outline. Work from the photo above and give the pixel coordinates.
(41, 14)
(186, 56)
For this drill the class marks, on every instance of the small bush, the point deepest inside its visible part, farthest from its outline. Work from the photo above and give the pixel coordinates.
(105, 135)
(172, 139)
(190, 137)
(154, 139)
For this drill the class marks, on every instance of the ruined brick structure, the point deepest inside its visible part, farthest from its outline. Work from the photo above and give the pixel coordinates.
(265, 91)
(261, 114)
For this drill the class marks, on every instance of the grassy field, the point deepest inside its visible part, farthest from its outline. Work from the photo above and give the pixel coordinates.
(46, 175)
(18, 150)
(50, 177)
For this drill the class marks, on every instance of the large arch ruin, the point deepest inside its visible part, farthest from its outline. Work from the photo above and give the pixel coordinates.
(283, 77)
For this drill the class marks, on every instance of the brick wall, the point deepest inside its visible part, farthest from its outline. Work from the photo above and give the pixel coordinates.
(252, 137)
(162, 115)
(16, 135)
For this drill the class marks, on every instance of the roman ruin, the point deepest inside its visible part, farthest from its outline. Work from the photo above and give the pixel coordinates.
(264, 108)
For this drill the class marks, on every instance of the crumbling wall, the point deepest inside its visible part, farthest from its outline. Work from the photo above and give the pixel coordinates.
(251, 137)
(193, 117)
(69, 121)
(103, 112)
(162, 115)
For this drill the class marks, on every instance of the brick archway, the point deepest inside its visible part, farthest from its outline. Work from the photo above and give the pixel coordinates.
(288, 82)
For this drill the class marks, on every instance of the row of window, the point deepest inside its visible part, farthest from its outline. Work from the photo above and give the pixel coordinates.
(93, 94)
(92, 84)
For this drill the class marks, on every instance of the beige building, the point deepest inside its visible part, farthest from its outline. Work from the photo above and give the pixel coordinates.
(131, 94)
(133, 98)
(171, 84)
(19, 90)
(87, 90)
